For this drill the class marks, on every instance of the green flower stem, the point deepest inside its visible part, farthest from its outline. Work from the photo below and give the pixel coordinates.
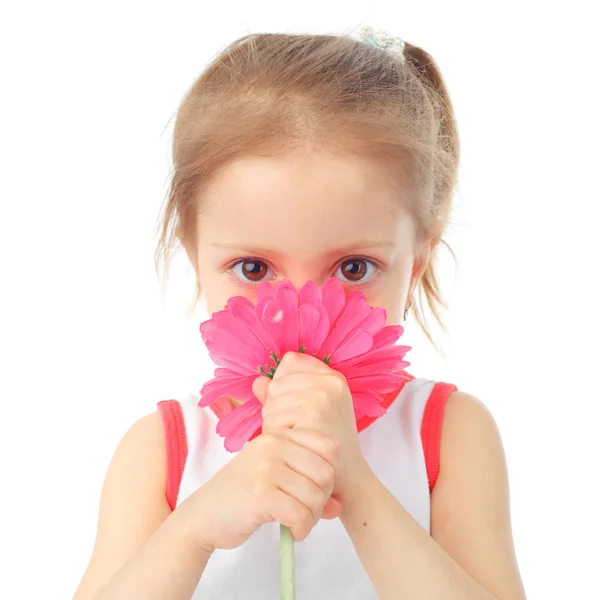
(287, 577)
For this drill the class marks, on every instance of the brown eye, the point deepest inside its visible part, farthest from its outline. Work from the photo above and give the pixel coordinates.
(355, 269)
(251, 270)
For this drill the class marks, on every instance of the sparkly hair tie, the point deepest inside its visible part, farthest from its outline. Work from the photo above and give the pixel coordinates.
(383, 41)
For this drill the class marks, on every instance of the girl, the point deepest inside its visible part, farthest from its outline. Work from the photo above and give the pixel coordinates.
(305, 157)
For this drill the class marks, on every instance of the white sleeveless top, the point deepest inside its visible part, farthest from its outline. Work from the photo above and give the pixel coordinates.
(327, 566)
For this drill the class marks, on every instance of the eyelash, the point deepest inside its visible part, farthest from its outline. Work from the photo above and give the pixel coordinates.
(358, 285)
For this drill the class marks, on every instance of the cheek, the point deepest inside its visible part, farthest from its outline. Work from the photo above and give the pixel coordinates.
(213, 292)
(391, 293)
(217, 288)
(391, 305)
(394, 315)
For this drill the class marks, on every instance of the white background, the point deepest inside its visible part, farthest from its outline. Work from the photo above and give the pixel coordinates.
(88, 345)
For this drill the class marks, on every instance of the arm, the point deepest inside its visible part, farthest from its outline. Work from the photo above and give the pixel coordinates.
(142, 550)
(146, 552)
(470, 554)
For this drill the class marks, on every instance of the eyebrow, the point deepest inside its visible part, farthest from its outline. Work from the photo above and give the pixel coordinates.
(358, 245)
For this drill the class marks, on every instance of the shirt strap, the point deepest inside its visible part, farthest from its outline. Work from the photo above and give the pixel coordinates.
(177, 450)
(431, 429)
(176, 447)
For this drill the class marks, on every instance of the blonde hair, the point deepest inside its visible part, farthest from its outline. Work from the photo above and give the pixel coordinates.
(268, 93)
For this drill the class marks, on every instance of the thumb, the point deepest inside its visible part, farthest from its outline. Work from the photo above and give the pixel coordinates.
(298, 362)
(332, 510)
(259, 388)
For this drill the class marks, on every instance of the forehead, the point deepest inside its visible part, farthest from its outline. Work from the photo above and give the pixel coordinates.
(301, 199)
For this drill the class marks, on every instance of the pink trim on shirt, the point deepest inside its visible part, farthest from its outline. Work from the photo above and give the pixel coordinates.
(431, 429)
(176, 446)
(431, 433)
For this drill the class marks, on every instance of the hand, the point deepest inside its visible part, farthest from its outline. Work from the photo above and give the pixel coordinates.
(306, 393)
(283, 476)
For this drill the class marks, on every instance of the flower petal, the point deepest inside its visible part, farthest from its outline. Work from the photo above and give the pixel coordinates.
(237, 416)
(353, 313)
(243, 369)
(324, 321)
(239, 327)
(374, 322)
(271, 318)
(246, 311)
(288, 303)
(265, 290)
(334, 299)
(238, 425)
(238, 301)
(238, 438)
(230, 336)
(240, 389)
(223, 373)
(387, 336)
(308, 318)
(382, 383)
(322, 330)
(358, 342)
(209, 331)
(368, 403)
(384, 359)
(310, 293)
(246, 360)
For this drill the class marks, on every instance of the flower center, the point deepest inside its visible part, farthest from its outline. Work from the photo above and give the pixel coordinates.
(269, 371)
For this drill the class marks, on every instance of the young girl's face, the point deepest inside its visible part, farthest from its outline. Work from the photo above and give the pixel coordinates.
(305, 216)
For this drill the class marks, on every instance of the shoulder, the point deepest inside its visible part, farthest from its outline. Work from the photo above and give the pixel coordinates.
(146, 430)
(466, 412)
(470, 507)
(142, 445)
(133, 502)
(470, 442)
(470, 436)
(138, 468)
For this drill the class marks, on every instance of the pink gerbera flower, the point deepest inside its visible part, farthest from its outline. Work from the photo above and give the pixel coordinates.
(340, 329)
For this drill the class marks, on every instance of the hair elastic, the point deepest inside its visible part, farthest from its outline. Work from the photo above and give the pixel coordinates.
(384, 41)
